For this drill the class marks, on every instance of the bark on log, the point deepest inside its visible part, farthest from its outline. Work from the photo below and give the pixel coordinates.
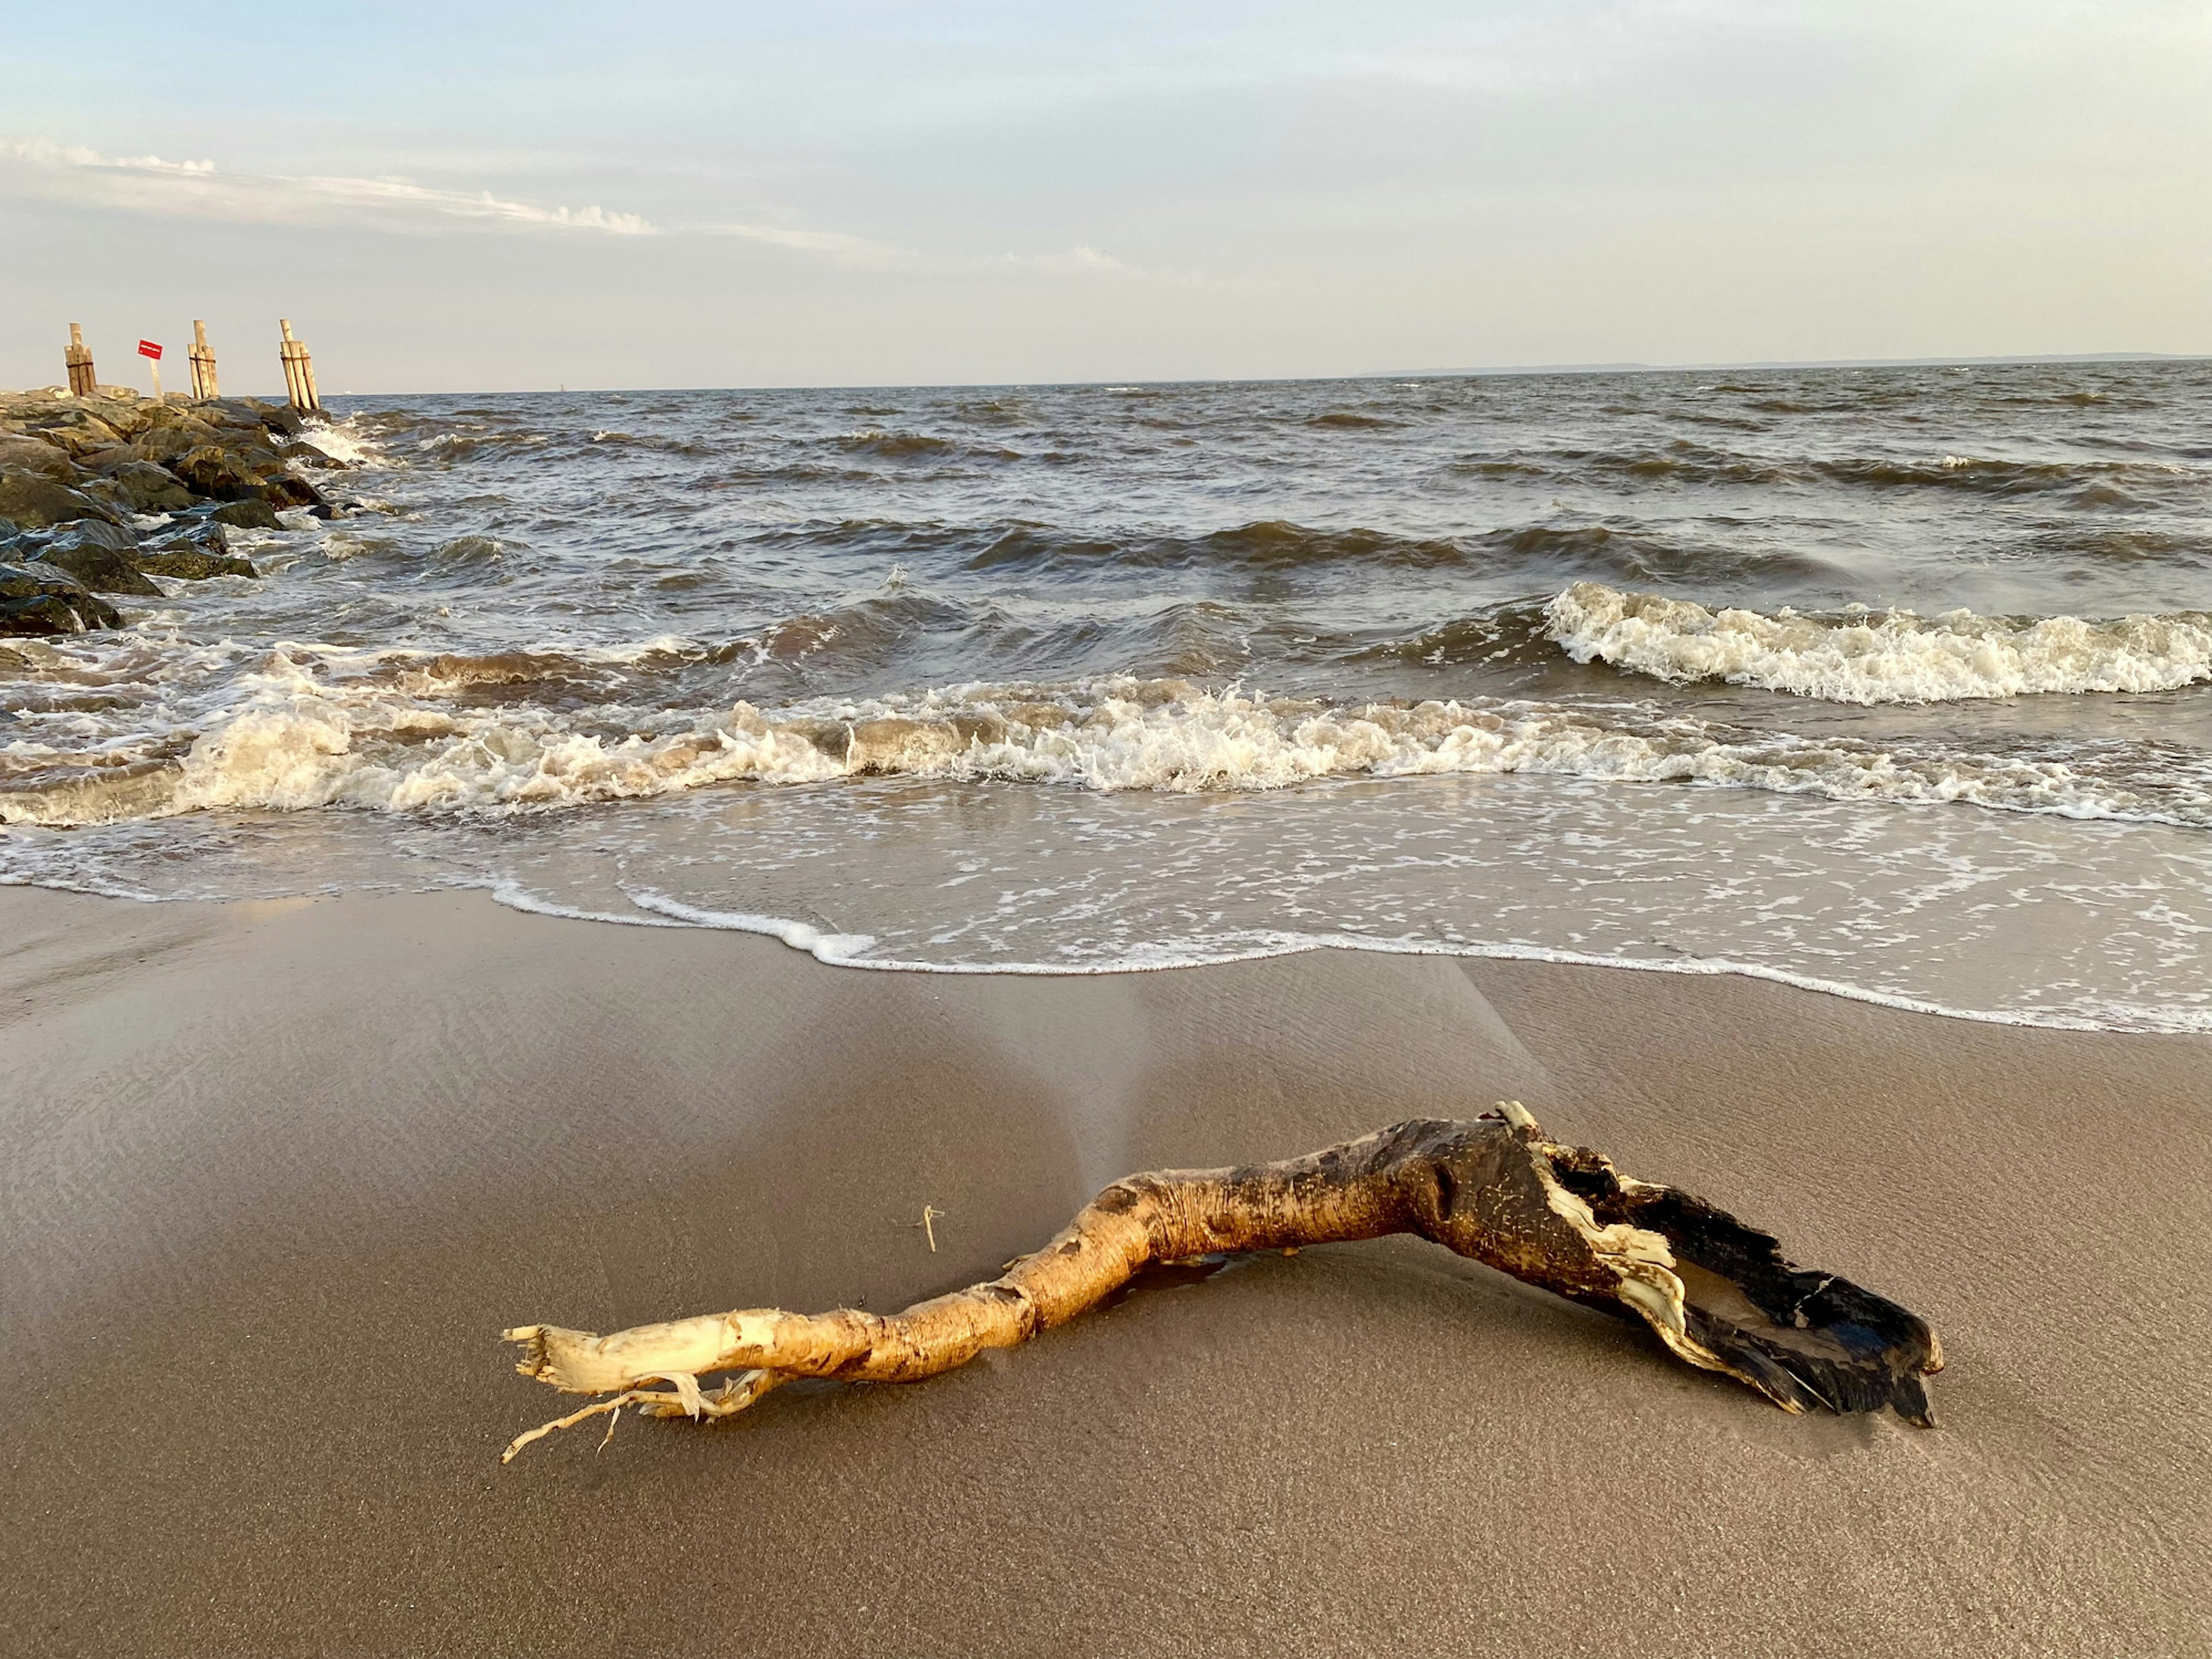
(1716, 1292)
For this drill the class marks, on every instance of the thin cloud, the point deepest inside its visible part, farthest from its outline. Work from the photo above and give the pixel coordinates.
(148, 183)
(156, 186)
(1085, 260)
(1078, 258)
(829, 244)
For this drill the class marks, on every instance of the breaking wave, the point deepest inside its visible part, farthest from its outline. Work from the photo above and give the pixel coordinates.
(1860, 656)
(343, 439)
(421, 736)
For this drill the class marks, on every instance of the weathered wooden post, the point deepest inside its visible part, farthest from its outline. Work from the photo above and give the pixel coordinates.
(299, 372)
(152, 353)
(79, 359)
(203, 362)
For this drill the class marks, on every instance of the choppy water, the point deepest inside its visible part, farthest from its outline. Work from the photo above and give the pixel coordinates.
(1892, 681)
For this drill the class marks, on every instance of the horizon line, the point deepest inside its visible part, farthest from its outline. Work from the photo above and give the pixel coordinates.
(1475, 372)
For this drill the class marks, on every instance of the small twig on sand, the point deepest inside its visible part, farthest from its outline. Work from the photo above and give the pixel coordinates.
(930, 1213)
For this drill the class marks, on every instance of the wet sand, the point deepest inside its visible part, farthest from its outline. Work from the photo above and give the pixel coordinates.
(275, 1175)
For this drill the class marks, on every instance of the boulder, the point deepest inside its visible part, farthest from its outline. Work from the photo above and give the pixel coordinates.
(305, 454)
(213, 471)
(277, 418)
(41, 613)
(149, 488)
(37, 456)
(167, 413)
(80, 434)
(197, 529)
(102, 490)
(224, 411)
(102, 570)
(194, 548)
(39, 598)
(282, 489)
(164, 445)
(86, 532)
(251, 515)
(192, 562)
(33, 501)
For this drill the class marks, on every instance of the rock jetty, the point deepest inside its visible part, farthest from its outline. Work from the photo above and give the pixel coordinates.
(80, 477)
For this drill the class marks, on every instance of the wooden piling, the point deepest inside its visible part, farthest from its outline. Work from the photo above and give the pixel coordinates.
(78, 357)
(203, 362)
(299, 371)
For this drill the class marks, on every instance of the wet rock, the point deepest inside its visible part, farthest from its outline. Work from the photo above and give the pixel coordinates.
(305, 454)
(281, 490)
(194, 548)
(255, 457)
(192, 562)
(211, 470)
(41, 613)
(102, 570)
(146, 488)
(39, 598)
(250, 514)
(33, 503)
(198, 529)
(100, 555)
(85, 532)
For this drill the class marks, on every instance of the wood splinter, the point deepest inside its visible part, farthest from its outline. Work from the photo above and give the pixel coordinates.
(1718, 1293)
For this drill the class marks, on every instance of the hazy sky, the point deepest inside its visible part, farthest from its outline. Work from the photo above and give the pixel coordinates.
(476, 197)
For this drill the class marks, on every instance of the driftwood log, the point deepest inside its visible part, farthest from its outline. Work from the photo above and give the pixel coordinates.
(1716, 1292)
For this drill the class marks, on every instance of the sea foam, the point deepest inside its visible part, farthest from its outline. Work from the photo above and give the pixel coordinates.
(1880, 657)
(390, 741)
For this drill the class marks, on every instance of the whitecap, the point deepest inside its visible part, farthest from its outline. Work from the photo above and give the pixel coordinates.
(1880, 657)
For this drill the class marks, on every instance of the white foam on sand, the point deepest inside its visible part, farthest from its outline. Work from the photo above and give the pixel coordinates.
(1880, 657)
(855, 950)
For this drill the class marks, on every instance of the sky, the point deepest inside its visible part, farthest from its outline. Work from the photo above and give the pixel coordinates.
(488, 197)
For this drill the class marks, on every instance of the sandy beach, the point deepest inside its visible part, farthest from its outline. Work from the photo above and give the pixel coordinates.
(276, 1174)
(1254, 832)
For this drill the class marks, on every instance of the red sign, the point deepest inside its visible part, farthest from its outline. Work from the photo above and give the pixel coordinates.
(148, 349)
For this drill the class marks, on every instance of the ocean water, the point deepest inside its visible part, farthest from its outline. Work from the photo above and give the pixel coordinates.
(1894, 682)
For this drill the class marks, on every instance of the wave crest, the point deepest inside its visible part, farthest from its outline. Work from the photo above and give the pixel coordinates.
(378, 742)
(1880, 657)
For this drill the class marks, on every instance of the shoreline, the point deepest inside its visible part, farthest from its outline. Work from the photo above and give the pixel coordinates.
(277, 1172)
(820, 946)
(790, 932)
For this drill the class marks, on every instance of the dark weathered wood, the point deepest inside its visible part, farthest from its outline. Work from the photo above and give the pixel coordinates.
(1718, 1293)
